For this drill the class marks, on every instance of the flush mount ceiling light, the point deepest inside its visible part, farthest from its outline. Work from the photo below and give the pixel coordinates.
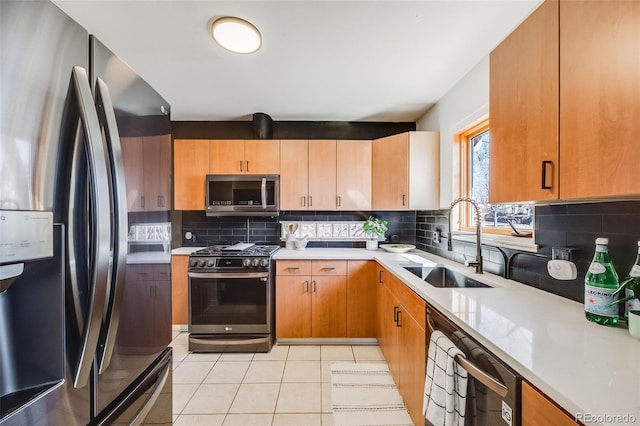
(236, 35)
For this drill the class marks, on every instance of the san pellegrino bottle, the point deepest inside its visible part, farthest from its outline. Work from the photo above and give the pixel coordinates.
(600, 284)
(634, 274)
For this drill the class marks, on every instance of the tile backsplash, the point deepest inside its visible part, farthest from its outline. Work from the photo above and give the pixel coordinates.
(215, 230)
(564, 225)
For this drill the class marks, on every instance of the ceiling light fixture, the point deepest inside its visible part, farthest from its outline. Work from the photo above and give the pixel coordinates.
(236, 35)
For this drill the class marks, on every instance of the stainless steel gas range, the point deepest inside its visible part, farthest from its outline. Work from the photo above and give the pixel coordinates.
(231, 298)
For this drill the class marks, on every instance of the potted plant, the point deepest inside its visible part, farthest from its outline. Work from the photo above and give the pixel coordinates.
(374, 229)
(633, 302)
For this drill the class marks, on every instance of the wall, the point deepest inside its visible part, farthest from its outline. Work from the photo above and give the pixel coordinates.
(220, 230)
(566, 225)
(465, 103)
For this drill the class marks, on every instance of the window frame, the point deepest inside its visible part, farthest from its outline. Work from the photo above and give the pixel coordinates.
(462, 140)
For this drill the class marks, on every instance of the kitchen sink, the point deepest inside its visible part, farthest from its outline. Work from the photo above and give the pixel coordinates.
(444, 277)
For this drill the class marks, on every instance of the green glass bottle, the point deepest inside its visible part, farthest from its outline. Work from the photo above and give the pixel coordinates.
(634, 275)
(600, 283)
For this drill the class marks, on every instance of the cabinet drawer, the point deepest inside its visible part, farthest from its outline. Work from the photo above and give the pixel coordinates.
(293, 267)
(161, 272)
(139, 273)
(328, 267)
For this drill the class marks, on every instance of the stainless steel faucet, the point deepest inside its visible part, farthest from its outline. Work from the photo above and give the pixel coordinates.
(478, 262)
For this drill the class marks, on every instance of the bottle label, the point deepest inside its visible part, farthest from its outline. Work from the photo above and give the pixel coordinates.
(634, 304)
(597, 301)
(597, 268)
(635, 271)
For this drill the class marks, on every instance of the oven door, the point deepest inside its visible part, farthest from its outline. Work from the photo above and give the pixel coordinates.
(229, 302)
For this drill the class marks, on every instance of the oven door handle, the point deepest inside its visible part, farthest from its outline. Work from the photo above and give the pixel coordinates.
(489, 381)
(228, 274)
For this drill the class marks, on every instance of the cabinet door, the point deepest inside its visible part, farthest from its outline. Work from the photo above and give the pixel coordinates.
(294, 174)
(262, 157)
(599, 98)
(162, 312)
(293, 306)
(329, 306)
(390, 345)
(353, 175)
(157, 173)
(390, 173)
(136, 311)
(523, 105)
(538, 410)
(179, 290)
(322, 175)
(226, 156)
(362, 292)
(411, 364)
(190, 168)
(133, 160)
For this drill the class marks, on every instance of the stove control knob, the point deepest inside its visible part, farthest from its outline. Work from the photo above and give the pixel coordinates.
(255, 262)
(210, 263)
(246, 262)
(193, 262)
(264, 262)
(201, 262)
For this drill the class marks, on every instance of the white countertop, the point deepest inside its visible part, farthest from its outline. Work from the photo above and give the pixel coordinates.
(185, 250)
(148, 257)
(584, 367)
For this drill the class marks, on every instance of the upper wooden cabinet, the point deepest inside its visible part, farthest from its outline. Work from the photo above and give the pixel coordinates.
(592, 103)
(233, 156)
(353, 174)
(406, 172)
(147, 166)
(523, 109)
(599, 98)
(190, 167)
(308, 175)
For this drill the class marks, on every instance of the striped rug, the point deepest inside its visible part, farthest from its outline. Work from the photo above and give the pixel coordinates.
(365, 394)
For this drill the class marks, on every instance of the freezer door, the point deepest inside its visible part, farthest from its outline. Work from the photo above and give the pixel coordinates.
(137, 323)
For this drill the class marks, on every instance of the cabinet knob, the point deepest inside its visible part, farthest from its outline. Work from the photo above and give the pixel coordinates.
(544, 174)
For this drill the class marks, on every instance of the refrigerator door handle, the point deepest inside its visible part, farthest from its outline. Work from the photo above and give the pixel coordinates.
(107, 117)
(100, 226)
(148, 404)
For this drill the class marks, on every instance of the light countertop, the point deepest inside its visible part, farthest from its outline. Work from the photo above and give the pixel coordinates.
(148, 257)
(582, 366)
(185, 250)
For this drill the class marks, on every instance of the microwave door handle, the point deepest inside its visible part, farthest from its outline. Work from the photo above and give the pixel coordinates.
(264, 193)
(107, 117)
(100, 226)
(489, 381)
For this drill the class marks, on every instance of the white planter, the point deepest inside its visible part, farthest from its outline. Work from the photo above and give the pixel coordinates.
(372, 244)
(634, 324)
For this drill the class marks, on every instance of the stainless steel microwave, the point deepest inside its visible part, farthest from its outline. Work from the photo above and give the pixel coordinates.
(242, 195)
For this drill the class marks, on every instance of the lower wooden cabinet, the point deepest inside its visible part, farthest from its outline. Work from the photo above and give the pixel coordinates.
(361, 298)
(539, 410)
(311, 298)
(401, 336)
(179, 289)
(146, 302)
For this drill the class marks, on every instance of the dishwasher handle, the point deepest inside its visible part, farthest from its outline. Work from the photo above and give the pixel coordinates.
(489, 381)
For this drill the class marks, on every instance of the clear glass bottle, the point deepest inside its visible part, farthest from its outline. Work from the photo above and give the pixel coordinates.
(634, 274)
(600, 282)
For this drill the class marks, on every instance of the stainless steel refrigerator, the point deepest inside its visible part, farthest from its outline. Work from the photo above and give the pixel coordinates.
(65, 101)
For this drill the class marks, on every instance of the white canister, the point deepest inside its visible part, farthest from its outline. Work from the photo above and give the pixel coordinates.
(290, 243)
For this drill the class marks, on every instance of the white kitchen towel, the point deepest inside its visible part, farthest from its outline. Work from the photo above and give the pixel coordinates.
(445, 388)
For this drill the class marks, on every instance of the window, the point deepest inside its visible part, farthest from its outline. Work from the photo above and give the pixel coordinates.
(474, 183)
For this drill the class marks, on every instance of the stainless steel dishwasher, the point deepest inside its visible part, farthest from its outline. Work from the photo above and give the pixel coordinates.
(493, 389)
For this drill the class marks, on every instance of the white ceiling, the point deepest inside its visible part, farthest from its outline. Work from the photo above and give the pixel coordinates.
(320, 60)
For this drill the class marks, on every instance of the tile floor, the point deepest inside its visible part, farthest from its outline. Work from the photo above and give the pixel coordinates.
(291, 385)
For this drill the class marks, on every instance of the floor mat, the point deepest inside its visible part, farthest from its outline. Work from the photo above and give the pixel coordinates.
(365, 394)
